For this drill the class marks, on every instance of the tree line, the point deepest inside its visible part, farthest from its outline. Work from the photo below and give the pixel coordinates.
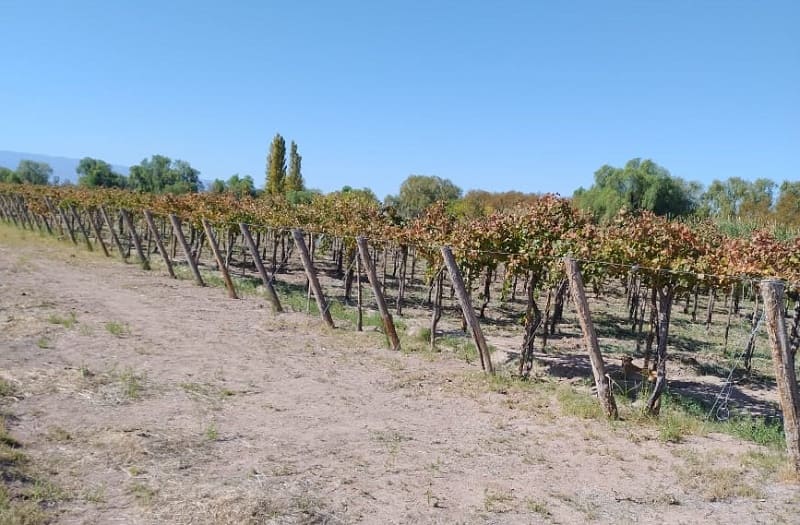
(640, 185)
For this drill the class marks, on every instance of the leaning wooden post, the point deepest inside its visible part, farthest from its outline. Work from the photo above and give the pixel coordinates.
(467, 309)
(82, 227)
(272, 296)
(212, 242)
(66, 224)
(23, 212)
(312, 277)
(359, 316)
(177, 230)
(126, 218)
(783, 362)
(160, 245)
(388, 322)
(114, 236)
(604, 392)
(96, 230)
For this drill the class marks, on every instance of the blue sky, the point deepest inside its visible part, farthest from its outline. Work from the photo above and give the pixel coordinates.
(524, 95)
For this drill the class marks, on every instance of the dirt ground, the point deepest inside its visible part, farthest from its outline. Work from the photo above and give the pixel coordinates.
(143, 399)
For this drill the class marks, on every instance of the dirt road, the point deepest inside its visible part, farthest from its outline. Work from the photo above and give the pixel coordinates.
(142, 399)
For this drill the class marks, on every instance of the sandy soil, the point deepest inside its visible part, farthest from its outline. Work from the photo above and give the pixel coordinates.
(164, 402)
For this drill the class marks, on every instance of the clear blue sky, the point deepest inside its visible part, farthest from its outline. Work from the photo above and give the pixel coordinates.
(525, 95)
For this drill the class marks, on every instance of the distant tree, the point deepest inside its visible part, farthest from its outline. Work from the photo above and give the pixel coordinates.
(95, 173)
(8, 175)
(787, 209)
(294, 180)
(218, 186)
(239, 186)
(160, 174)
(758, 200)
(640, 185)
(302, 196)
(738, 198)
(418, 192)
(480, 203)
(32, 172)
(366, 193)
(276, 166)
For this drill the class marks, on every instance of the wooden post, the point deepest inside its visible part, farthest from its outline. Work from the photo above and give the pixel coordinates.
(300, 241)
(783, 362)
(388, 322)
(272, 296)
(126, 218)
(56, 220)
(436, 315)
(96, 230)
(467, 309)
(82, 227)
(67, 225)
(23, 213)
(212, 242)
(187, 251)
(401, 289)
(604, 392)
(113, 233)
(160, 245)
(359, 315)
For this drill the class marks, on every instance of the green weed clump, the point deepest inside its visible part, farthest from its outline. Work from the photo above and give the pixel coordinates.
(117, 329)
(67, 322)
(579, 405)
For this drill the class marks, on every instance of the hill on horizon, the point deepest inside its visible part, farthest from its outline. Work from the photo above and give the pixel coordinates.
(63, 167)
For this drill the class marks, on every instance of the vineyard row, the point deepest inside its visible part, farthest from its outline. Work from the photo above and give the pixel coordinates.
(658, 261)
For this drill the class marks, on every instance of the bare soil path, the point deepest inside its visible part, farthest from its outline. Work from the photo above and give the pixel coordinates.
(149, 400)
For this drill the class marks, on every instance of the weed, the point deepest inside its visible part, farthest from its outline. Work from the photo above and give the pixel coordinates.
(134, 471)
(392, 439)
(389, 436)
(767, 461)
(94, 495)
(117, 329)
(756, 430)
(20, 512)
(6, 388)
(143, 493)
(674, 425)
(424, 335)
(66, 322)
(195, 388)
(538, 507)
(58, 434)
(211, 433)
(579, 405)
(589, 511)
(283, 470)
(464, 348)
(44, 343)
(9, 447)
(723, 484)
(46, 491)
(496, 501)
(131, 383)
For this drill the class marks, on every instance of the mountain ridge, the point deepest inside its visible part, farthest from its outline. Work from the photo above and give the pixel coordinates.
(63, 167)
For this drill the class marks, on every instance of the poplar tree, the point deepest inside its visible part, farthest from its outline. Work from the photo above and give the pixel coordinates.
(276, 166)
(294, 182)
